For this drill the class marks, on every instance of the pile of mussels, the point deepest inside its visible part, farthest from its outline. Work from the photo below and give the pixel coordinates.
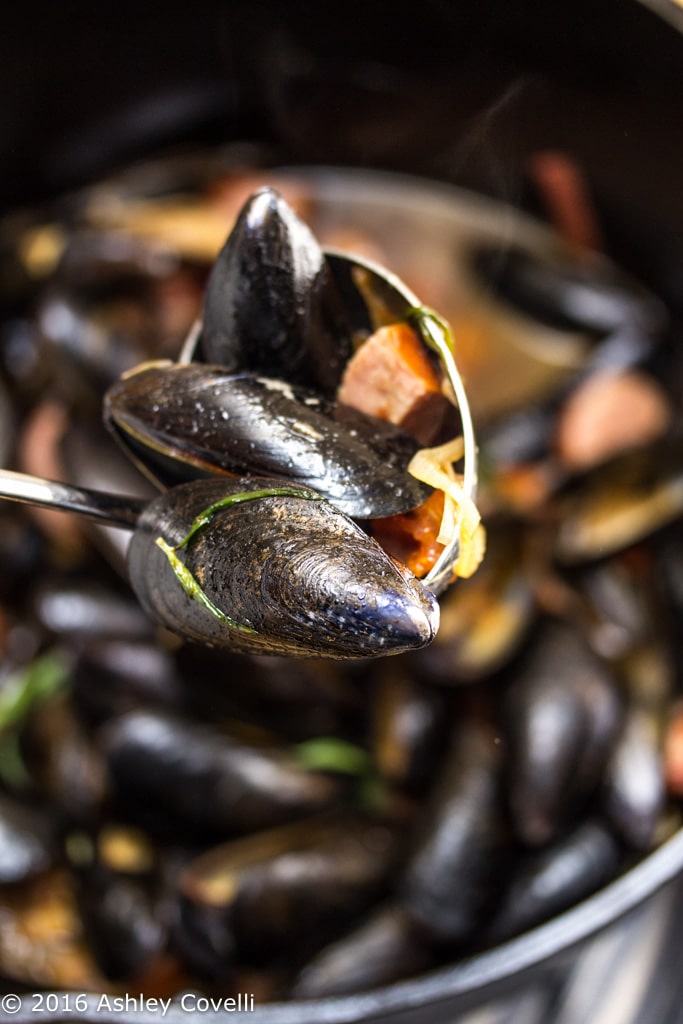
(177, 816)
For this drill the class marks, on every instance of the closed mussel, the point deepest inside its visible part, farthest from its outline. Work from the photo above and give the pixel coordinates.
(277, 894)
(384, 948)
(166, 769)
(123, 927)
(457, 865)
(252, 565)
(546, 882)
(26, 846)
(562, 713)
(185, 421)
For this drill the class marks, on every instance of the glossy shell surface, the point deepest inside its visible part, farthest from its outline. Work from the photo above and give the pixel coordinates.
(185, 421)
(271, 304)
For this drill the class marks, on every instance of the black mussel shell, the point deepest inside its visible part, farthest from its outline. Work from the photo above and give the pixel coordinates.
(568, 295)
(204, 782)
(285, 573)
(271, 305)
(458, 865)
(121, 923)
(186, 421)
(549, 881)
(282, 891)
(562, 714)
(385, 947)
(26, 843)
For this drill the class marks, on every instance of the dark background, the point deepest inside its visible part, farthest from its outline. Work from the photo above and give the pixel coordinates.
(462, 91)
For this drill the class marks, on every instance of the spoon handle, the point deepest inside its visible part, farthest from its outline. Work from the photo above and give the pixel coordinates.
(113, 509)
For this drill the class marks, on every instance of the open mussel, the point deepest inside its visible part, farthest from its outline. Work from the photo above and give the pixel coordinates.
(252, 412)
(621, 503)
(250, 564)
(567, 294)
(271, 305)
(185, 421)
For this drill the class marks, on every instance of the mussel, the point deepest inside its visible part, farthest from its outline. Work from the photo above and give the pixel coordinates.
(183, 421)
(271, 305)
(205, 782)
(384, 948)
(593, 297)
(249, 564)
(562, 715)
(620, 503)
(26, 847)
(547, 882)
(458, 862)
(278, 893)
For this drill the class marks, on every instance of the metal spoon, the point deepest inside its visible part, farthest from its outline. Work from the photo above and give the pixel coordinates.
(113, 509)
(388, 300)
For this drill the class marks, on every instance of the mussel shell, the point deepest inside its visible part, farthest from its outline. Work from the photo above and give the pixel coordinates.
(408, 727)
(26, 845)
(295, 699)
(458, 863)
(271, 305)
(204, 781)
(485, 619)
(634, 790)
(280, 892)
(621, 503)
(385, 948)
(123, 927)
(299, 575)
(64, 761)
(187, 421)
(547, 882)
(562, 715)
(112, 677)
(568, 295)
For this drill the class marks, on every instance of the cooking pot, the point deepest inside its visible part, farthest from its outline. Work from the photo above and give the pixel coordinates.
(462, 94)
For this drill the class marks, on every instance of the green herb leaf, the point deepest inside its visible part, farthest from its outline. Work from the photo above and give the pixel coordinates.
(192, 588)
(13, 770)
(183, 574)
(329, 754)
(23, 691)
(434, 330)
(36, 682)
(205, 517)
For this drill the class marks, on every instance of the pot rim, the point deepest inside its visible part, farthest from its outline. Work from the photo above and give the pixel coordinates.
(459, 986)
